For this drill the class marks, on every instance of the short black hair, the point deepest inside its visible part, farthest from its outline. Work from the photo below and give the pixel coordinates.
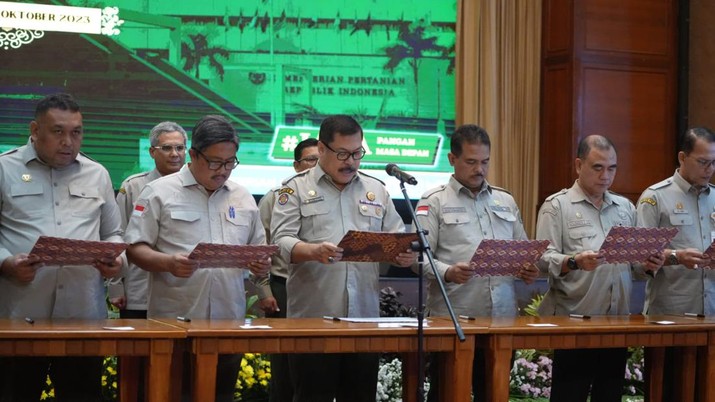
(692, 135)
(593, 141)
(338, 123)
(62, 101)
(212, 129)
(306, 143)
(470, 133)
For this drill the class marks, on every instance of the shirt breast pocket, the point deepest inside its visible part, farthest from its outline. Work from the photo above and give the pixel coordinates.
(184, 228)
(680, 219)
(372, 217)
(236, 229)
(27, 200)
(582, 238)
(85, 201)
(315, 222)
(504, 224)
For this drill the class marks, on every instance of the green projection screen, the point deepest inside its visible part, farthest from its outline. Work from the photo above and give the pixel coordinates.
(276, 68)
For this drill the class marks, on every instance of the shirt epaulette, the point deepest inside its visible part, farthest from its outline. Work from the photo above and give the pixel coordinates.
(372, 177)
(433, 191)
(8, 152)
(552, 196)
(85, 155)
(500, 189)
(288, 179)
(136, 176)
(662, 184)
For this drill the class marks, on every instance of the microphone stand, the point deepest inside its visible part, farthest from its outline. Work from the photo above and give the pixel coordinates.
(425, 248)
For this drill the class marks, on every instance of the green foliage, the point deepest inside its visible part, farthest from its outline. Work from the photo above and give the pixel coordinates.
(390, 305)
(532, 309)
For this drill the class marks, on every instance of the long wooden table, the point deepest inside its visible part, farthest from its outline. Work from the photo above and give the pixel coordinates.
(150, 339)
(507, 334)
(312, 335)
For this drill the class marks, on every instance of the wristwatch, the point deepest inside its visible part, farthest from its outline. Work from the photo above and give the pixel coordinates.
(571, 263)
(673, 258)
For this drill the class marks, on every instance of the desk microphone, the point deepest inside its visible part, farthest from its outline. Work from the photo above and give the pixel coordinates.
(394, 171)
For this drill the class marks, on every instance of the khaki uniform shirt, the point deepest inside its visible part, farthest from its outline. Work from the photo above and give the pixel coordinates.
(457, 221)
(175, 213)
(572, 224)
(279, 266)
(135, 284)
(75, 202)
(310, 208)
(675, 203)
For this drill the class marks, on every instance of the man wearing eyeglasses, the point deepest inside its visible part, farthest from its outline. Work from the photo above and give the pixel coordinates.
(176, 212)
(686, 201)
(313, 211)
(272, 293)
(168, 149)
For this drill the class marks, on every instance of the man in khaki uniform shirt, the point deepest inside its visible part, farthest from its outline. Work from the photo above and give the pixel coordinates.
(168, 149)
(313, 211)
(685, 201)
(576, 221)
(175, 213)
(272, 293)
(457, 216)
(48, 188)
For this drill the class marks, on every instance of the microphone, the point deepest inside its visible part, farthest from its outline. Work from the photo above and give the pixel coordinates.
(395, 171)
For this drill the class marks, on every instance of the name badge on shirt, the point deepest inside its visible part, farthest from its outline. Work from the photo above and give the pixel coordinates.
(313, 200)
(500, 208)
(454, 210)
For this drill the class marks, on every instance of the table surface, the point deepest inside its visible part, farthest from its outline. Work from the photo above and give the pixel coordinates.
(306, 327)
(86, 329)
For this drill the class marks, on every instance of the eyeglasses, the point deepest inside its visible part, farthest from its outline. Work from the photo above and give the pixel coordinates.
(311, 160)
(704, 163)
(344, 155)
(215, 165)
(168, 148)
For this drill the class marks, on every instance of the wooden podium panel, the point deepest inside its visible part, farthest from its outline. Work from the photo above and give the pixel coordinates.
(56, 337)
(209, 338)
(507, 334)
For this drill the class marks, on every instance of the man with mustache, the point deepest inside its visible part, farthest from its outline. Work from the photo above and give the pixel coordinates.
(685, 201)
(313, 211)
(457, 216)
(168, 149)
(272, 293)
(576, 221)
(48, 188)
(175, 213)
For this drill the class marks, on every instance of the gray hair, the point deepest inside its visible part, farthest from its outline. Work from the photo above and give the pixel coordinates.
(163, 128)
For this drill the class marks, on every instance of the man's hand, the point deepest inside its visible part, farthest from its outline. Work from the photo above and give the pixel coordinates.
(654, 262)
(260, 268)
(691, 258)
(327, 253)
(119, 302)
(460, 272)
(528, 274)
(269, 305)
(21, 267)
(181, 266)
(406, 259)
(588, 260)
(109, 267)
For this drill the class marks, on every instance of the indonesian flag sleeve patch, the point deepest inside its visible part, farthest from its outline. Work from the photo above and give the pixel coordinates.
(139, 210)
(422, 210)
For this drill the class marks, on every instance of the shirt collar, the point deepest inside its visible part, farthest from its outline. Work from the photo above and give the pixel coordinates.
(687, 187)
(458, 187)
(318, 173)
(576, 194)
(28, 153)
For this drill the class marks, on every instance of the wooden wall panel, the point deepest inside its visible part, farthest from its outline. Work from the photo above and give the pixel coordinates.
(636, 106)
(618, 79)
(701, 92)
